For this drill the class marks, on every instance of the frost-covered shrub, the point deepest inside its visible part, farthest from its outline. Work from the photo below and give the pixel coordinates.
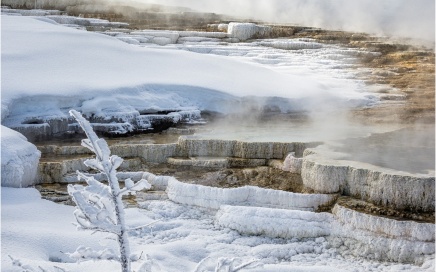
(99, 206)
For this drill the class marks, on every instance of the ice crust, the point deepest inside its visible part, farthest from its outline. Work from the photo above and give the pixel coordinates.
(19, 159)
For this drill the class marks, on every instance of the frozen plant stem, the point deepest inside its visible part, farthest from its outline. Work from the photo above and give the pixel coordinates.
(100, 208)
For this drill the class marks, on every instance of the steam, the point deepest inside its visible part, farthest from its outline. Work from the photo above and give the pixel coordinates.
(399, 18)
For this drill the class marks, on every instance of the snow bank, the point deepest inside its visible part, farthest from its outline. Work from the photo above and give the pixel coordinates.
(156, 79)
(213, 198)
(398, 190)
(275, 223)
(19, 159)
(36, 230)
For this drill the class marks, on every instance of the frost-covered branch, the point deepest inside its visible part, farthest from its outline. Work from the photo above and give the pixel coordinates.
(99, 206)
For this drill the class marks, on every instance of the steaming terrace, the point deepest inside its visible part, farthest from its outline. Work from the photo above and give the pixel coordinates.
(362, 164)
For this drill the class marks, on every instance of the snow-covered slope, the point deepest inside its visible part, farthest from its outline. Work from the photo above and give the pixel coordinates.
(68, 68)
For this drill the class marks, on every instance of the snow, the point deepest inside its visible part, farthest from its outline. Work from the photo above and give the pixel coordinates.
(68, 68)
(19, 159)
(49, 69)
(36, 230)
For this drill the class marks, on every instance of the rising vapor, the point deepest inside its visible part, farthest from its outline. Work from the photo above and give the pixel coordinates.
(399, 18)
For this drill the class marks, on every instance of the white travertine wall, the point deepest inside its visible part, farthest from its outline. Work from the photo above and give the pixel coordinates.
(213, 197)
(380, 238)
(386, 227)
(274, 223)
(292, 164)
(381, 187)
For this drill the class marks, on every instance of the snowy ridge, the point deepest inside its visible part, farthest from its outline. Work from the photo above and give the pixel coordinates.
(19, 159)
(274, 223)
(213, 198)
(373, 184)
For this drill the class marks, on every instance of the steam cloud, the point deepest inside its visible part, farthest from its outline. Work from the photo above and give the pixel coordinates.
(401, 18)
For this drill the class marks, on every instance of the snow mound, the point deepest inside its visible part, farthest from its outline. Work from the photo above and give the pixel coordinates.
(274, 223)
(213, 198)
(19, 159)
